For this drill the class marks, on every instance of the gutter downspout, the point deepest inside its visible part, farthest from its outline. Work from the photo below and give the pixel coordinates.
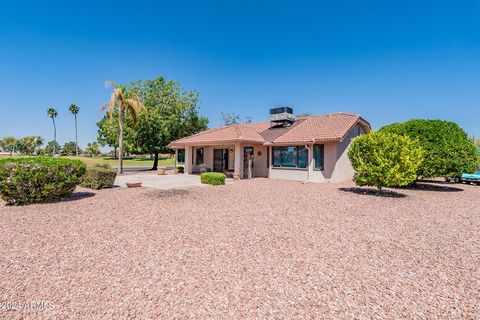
(308, 167)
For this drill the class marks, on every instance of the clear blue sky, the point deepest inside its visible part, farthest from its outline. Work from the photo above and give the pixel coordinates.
(386, 60)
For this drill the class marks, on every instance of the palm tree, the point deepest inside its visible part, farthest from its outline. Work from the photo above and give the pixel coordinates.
(8, 144)
(53, 113)
(129, 103)
(74, 109)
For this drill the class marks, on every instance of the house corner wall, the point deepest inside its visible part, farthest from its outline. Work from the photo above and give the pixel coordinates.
(330, 158)
(343, 167)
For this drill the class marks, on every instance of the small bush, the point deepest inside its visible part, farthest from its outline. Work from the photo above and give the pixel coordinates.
(38, 179)
(213, 178)
(180, 169)
(385, 159)
(100, 176)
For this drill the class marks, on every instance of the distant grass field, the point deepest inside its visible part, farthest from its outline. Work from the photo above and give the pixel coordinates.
(129, 162)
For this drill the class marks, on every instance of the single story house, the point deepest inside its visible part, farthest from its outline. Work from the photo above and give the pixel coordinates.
(312, 148)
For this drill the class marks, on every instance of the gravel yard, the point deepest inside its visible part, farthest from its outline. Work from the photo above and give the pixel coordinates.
(251, 249)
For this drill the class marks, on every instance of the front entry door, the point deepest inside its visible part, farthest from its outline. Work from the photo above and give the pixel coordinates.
(248, 162)
(220, 160)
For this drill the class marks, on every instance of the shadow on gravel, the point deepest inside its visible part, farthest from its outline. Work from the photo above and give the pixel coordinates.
(166, 193)
(373, 192)
(429, 186)
(78, 196)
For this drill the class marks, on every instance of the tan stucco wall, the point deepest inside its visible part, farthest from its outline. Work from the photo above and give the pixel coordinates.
(260, 161)
(330, 151)
(343, 170)
(289, 174)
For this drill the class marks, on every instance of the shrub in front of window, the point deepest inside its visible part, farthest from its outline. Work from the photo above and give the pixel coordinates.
(180, 169)
(38, 179)
(98, 177)
(385, 159)
(213, 178)
(448, 150)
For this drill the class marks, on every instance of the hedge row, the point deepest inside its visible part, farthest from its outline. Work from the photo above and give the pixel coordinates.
(98, 177)
(38, 179)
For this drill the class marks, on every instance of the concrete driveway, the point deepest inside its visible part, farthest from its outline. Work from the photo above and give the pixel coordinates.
(165, 182)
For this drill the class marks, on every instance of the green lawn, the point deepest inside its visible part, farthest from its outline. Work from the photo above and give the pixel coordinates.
(129, 162)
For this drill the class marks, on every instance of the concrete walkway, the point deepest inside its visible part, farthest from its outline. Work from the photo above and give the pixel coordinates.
(165, 182)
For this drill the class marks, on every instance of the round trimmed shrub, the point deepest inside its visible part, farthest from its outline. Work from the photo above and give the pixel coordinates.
(385, 159)
(213, 178)
(448, 150)
(100, 176)
(38, 179)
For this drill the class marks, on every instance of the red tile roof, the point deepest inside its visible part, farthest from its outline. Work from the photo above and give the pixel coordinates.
(328, 127)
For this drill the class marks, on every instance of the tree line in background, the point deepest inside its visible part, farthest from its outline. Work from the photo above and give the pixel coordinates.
(32, 146)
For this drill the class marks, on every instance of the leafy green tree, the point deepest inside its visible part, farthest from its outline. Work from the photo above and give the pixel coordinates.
(448, 150)
(29, 145)
(124, 102)
(385, 159)
(53, 113)
(70, 149)
(108, 134)
(74, 109)
(172, 114)
(92, 150)
(8, 144)
(52, 147)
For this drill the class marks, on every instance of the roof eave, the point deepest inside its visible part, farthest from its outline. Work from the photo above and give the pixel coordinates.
(180, 144)
(312, 141)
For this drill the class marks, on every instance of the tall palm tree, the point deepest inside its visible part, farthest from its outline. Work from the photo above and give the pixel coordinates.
(74, 109)
(53, 113)
(124, 103)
